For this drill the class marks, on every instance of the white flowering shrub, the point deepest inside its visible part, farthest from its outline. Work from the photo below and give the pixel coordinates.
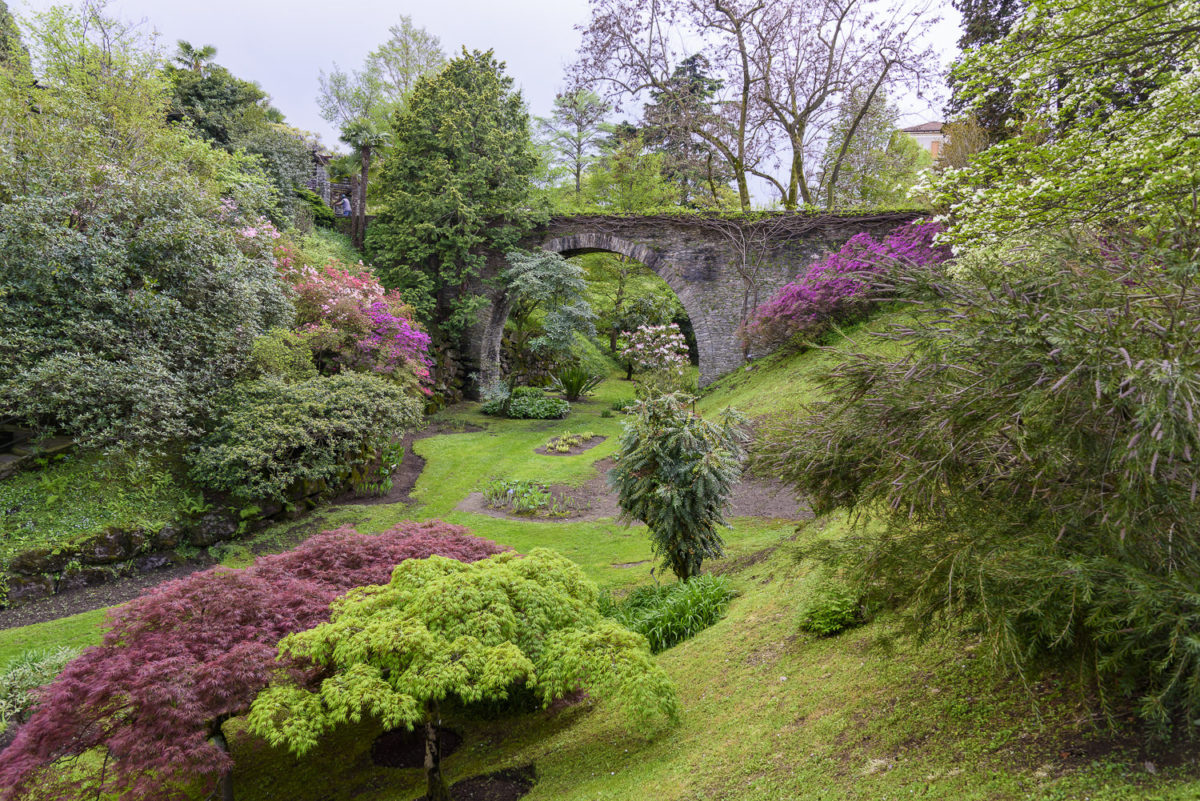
(660, 354)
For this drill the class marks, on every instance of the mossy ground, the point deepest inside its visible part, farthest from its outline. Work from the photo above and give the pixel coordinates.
(770, 712)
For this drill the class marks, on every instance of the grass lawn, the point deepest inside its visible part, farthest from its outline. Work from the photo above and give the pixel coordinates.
(770, 712)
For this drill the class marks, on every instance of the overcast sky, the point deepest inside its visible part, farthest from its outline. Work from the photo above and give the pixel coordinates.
(284, 44)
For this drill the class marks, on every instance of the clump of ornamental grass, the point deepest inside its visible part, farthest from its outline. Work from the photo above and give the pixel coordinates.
(1029, 465)
(666, 615)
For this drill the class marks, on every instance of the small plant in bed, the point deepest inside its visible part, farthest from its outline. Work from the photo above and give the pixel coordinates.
(525, 403)
(565, 442)
(574, 381)
(523, 498)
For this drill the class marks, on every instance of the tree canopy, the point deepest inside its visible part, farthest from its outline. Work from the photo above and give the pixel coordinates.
(446, 631)
(457, 182)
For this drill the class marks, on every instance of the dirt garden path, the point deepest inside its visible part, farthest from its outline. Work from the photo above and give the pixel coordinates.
(753, 497)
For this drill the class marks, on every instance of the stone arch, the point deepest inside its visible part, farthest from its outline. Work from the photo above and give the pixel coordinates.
(659, 264)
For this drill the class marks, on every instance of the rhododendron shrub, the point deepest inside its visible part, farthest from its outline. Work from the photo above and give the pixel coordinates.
(352, 323)
(835, 288)
(183, 658)
(660, 354)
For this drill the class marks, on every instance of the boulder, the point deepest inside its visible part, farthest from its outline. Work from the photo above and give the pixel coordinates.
(153, 561)
(40, 560)
(214, 527)
(29, 588)
(167, 537)
(76, 578)
(110, 545)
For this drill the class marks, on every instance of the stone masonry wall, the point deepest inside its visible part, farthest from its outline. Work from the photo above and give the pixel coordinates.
(721, 268)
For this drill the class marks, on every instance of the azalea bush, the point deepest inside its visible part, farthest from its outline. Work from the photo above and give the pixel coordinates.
(183, 658)
(837, 287)
(352, 323)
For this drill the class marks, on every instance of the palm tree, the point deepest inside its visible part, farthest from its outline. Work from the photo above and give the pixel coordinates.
(365, 137)
(196, 59)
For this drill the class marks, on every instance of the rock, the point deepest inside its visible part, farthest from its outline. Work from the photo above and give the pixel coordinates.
(28, 588)
(79, 577)
(110, 545)
(167, 537)
(39, 560)
(154, 561)
(214, 527)
(140, 541)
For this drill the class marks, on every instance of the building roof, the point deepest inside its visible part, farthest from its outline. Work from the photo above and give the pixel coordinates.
(925, 127)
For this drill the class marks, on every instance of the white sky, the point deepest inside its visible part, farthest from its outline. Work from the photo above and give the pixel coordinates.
(284, 44)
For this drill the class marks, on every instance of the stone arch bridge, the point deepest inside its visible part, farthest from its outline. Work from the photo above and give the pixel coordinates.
(721, 267)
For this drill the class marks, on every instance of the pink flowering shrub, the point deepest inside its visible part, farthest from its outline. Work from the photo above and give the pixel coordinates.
(352, 323)
(184, 657)
(657, 348)
(660, 354)
(835, 287)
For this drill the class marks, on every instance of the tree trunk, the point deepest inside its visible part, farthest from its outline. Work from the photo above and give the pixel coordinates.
(435, 783)
(224, 789)
(360, 227)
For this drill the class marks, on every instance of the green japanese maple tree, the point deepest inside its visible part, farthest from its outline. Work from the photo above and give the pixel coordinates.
(468, 633)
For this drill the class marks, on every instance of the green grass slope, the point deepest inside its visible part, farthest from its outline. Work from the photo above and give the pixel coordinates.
(770, 712)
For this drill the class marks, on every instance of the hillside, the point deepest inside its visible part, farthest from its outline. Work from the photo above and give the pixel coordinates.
(770, 712)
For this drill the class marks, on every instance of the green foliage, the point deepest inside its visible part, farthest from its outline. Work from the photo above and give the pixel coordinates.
(1029, 456)
(624, 404)
(83, 493)
(668, 615)
(322, 216)
(523, 498)
(563, 443)
(20, 677)
(574, 381)
(833, 607)
(526, 403)
(272, 437)
(546, 283)
(283, 354)
(1094, 94)
(130, 300)
(13, 53)
(675, 472)
(443, 630)
(455, 184)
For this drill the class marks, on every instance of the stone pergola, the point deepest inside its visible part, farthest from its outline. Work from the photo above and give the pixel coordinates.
(721, 266)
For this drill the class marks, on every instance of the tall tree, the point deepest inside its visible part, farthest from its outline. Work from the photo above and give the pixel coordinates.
(813, 53)
(12, 50)
(781, 68)
(365, 138)
(196, 59)
(689, 163)
(879, 163)
(361, 102)
(630, 47)
(574, 132)
(1102, 88)
(984, 22)
(456, 184)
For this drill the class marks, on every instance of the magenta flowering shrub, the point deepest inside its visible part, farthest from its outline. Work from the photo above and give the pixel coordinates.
(352, 323)
(835, 287)
(185, 656)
